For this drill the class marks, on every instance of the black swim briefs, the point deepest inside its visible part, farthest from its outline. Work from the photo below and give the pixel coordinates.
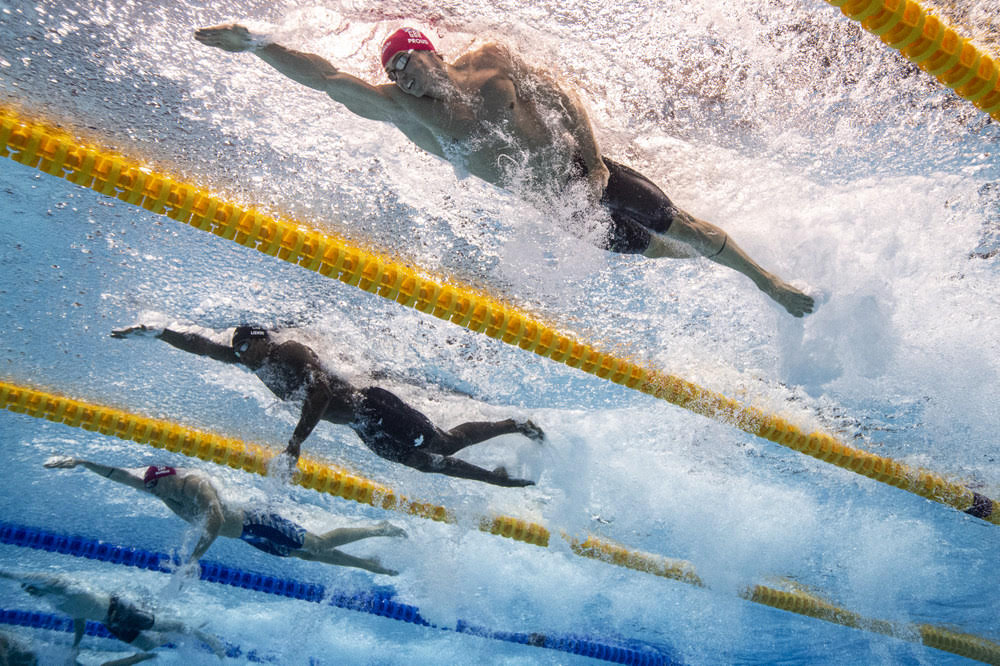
(389, 427)
(125, 621)
(636, 205)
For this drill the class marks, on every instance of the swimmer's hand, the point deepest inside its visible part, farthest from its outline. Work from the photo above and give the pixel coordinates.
(61, 462)
(283, 466)
(230, 37)
(135, 329)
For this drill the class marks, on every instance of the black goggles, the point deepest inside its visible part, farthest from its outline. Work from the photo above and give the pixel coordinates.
(398, 65)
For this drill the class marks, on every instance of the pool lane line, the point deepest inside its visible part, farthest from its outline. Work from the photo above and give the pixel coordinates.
(377, 602)
(58, 154)
(42, 620)
(214, 449)
(934, 46)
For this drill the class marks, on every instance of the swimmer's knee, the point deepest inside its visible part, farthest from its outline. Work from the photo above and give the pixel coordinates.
(423, 461)
(661, 246)
(695, 235)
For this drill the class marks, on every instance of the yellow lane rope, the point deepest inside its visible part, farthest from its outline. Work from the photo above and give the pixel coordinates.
(948, 640)
(340, 483)
(933, 45)
(56, 153)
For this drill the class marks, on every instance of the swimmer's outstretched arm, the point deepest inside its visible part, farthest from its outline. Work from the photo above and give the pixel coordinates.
(185, 341)
(117, 474)
(360, 97)
(200, 345)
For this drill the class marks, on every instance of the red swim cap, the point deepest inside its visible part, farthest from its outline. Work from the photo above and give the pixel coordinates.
(404, 39)
(155, 472)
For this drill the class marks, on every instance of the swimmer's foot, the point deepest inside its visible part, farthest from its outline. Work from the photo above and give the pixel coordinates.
(387, 529)
(797, 302)
(502, 478)
(531, 431)
(375, 566)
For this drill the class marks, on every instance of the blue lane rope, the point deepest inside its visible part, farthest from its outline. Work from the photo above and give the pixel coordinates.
(36, 620)
(376, 602)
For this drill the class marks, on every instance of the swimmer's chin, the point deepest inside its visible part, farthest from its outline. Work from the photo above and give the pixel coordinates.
(410, 88)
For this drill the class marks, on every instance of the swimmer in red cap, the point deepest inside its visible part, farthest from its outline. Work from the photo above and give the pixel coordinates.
(494, 117)
(404, 39)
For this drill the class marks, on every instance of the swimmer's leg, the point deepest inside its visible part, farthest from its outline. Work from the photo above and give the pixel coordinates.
(344, 535)
(150, 640)
(438, 464)
(334, 556)
(160, 635)
(475, 432)
(713, 243)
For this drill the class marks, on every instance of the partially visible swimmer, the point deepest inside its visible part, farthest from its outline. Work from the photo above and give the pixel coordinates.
(192, 495)
(491, 115)
(388, 426)
(14, 653)
(126, 620)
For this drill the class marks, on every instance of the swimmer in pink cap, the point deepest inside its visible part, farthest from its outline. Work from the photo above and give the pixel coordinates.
(192, 495)
(492, 116)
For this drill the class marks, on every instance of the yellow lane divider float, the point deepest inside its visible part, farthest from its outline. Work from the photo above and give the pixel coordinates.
(56, 153)
(340, 483)
(933, 46)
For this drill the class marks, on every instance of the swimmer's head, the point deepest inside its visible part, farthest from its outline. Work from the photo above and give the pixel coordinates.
(34, 589)
(404, 39)
(42, 585)
(246, 335)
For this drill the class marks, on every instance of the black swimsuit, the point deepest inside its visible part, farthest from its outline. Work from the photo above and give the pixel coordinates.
(389, 427)
(636, 205)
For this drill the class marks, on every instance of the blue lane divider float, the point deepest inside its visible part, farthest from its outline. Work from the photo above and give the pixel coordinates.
(376, 602)
(36, 620)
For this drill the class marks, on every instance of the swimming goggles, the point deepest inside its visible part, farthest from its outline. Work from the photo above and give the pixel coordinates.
(399, 65)
(242, 349)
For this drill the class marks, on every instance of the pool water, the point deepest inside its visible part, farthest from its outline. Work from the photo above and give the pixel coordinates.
(832, 162)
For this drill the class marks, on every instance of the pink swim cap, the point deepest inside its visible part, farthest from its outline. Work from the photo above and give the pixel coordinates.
(404, 39)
